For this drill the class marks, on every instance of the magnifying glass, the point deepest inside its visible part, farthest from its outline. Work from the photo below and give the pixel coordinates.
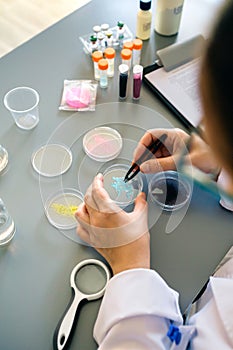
(88, 281)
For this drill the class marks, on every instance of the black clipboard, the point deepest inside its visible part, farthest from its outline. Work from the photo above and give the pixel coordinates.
(171, 58)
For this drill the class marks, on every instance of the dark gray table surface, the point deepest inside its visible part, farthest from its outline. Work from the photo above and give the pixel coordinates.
(35, 267)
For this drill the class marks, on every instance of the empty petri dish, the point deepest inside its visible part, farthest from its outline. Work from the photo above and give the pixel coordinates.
(52, 160)
(61, 207)
(3, 158)
(123, 193)
(102, 144)
(169, 189)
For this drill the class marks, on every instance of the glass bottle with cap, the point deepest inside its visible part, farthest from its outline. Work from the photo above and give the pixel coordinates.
(103, 70)
(109, 54)
(126, 56)
(7, 226)
(137, 49)
(144, 18)
(96, 56)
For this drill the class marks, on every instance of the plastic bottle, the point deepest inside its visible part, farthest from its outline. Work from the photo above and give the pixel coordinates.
(144, 17)
(167, 16)
(137, 49)
(126, 56)
(103, 69)
(109, 54)
(96, 56)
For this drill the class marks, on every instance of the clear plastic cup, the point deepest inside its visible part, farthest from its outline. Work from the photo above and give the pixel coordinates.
(23, 102)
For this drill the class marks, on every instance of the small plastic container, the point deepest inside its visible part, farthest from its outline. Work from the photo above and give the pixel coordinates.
(61, 207)
(102, 144)
(103, 70)
(123, 80)
(96, 56)
(137, 49)
(126, 56)
(170, 190)
(109, 54)
(122, 193)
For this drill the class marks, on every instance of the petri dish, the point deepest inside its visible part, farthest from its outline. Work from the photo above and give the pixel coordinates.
(102, 144)
(52, 160)
(169, 189)
(61, 207)
(3, 158)
(122, 193)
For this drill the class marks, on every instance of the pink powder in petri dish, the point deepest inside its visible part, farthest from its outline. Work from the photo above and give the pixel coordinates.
(102, 143)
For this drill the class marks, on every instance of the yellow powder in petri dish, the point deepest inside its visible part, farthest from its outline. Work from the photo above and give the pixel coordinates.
(65, 210)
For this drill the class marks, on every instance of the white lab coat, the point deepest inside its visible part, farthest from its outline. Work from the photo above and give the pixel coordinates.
(139, 307)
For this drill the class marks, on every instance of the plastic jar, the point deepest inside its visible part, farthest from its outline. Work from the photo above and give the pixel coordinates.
(126, 56)
(137, 49)
(103, 70)
(109, 54)
(96, 56)
(144, 18)
(167, 16)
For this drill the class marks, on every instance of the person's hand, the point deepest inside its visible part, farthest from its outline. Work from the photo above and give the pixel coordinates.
(167, 157)
(121, 238)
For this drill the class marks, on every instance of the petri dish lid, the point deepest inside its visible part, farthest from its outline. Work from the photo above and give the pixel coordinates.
(52, 160)
(170, 190)
(102, 144)
(119, 191)
(3, 158)
(61, 207)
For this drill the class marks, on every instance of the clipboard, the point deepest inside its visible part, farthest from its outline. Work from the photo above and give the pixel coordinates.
(178, 64)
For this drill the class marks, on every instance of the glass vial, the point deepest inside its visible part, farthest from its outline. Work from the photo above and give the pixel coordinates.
(109, 54)
(7, 226)
(167, 16)
(123, 79)
(126, 56)
(137, 81)
(137, 49)
(103, 70)
(96, 56)
(144, 17)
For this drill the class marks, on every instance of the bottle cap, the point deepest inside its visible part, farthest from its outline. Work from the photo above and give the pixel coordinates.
(137, 69)
(123, 68)
(96, 29)
(120, 24)
(104, 26)
(103, 64)
(128, 45)
(126, 54)
(137, 44)
(145, 5)
(97, 55)
(109, 52)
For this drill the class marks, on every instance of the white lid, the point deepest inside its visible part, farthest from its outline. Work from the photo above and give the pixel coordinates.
(102, 144)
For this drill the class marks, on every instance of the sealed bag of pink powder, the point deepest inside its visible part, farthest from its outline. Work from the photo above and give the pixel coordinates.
(78, 95)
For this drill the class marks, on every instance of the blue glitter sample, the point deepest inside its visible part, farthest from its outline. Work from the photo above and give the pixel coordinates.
(121, 186)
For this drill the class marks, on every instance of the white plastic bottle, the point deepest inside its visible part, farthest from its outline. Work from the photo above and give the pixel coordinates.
(167, 16)
(144, 18)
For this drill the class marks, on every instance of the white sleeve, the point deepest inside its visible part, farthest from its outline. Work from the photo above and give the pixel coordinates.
(136, 312)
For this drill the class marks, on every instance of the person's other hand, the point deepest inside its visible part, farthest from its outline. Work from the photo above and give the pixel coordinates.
(167, 157)
(121, 238)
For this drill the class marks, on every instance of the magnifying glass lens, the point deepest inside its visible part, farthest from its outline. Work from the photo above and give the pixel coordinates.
(90, 279)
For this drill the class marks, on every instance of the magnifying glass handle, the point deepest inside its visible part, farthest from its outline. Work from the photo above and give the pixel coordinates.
(63, 331)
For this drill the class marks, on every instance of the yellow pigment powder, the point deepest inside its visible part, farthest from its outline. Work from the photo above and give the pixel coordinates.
(65, 210)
